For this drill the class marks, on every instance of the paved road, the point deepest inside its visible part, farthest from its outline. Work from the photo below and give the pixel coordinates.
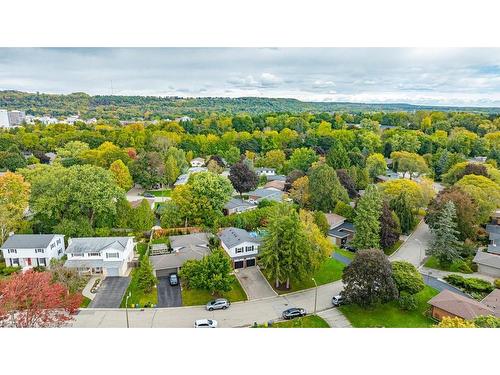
(254, 283)
(168, 296)
(111, 292)
(342, 259)
(240, 314)
(413, 250)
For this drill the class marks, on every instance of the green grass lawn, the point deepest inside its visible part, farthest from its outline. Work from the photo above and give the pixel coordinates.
(194, 297)
(390, 315)
(160, 193)
(432, 262)
(344, 252)
(141, 248)
(330, 270)
(309, 321)
(85, 302)
(393, 248)
(137, 295)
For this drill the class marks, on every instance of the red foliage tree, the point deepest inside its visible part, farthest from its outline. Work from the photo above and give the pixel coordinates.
(30, 299)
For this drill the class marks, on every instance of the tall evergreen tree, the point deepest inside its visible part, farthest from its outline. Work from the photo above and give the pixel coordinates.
(325, 189)
(366, 220)
(445, 245)
(403, 209)
(285, 251)
(337, 157)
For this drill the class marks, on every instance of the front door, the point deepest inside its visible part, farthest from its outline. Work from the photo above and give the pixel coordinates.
(28, 261)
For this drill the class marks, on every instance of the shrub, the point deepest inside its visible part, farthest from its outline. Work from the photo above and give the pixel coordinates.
(487, 322)
(407, 302)
(476, 287)
(460, 266)
(473, 267)
(497, 283)
(7, 271)
(407, 278)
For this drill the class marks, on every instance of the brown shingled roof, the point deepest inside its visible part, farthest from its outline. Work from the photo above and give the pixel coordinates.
(458, 305)
(492, 300)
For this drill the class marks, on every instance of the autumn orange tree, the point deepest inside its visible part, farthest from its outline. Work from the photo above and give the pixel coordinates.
(30, 299)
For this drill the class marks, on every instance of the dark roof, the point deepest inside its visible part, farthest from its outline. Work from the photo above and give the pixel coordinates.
(235, 236)
(189, 240)
(176, 259)
(342, 231)
(492, 300)
(458, 305)
(28, 241)
(236, 202)
(487, 259)
(493, 228)
(96, 244)
(276, 177)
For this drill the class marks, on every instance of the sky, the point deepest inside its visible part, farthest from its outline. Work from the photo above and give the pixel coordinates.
(461, 77)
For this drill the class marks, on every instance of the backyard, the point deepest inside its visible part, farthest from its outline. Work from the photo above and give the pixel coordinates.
(159, 193)
(194, 297)
(390, 315)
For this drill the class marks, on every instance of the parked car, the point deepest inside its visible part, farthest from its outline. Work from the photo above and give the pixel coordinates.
(337, 300)
(218, 304)
(349, 248)
(205, 323)
(148, 195)
(294, 312)
(173, 279)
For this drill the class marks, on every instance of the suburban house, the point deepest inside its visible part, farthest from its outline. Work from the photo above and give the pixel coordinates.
(32, 250)
(182, 248)
(197, 162)
(450, 304)
(109, 256)
(488, 262)
(340, 231)
(492, 300)
(275, 185)
(276, 177)
(257, 195)
(389, 175)
(236, 206)
(265, 171)
(183, 178)
(241, 246)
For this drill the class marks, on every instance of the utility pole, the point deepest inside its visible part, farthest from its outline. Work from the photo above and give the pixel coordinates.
(126, 307)
(315, 294)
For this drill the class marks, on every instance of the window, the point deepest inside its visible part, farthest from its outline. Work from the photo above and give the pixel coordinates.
(94, 254)
(239, 250)
(41, 262)
(39, 250)
(59, 241)
(112, 255)
(249, 248)
(52, 245)
(15, 261)
(12, 251)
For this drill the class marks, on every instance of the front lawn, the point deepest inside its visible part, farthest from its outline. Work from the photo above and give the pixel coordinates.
(85, 302)
(330, 271)
(159, 193)
(137, 295)
(344, 252)
(194, 297)
(462, 266)
(309, 321)
(390, 315)
(393, 248)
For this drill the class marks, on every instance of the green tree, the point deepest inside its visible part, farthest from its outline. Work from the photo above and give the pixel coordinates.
(403, 210)
(366, 220)
(301, 159)
(389, 227)
(337, 157)
(325, 189)
(171, 170)
(485, 192)
(285, 251)
(376, 165)
(444, 244)
(146, 279)
(142, 217)
(368, 279)
(407, 278)
(408, 162)
(121, 175)
(14, 195)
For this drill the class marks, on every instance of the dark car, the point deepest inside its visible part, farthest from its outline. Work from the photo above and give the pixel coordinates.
(148, 195)
(294, 312)
(173, 279)
(350, 248)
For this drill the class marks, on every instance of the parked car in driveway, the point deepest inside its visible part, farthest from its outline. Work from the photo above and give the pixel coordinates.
(350, 248)
(205, 323)
(337, 300)
(294, 312)
(148, 195)
(173, 279)
(218, 304)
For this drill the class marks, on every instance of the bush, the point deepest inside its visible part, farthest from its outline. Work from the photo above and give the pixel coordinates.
(407, 302)
(7, 271)
(497, 283)
(473, 267)
(487, 322)
(476, 287)
(460, 266)
(407, 278)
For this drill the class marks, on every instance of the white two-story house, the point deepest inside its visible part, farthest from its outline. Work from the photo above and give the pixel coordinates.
(241, 246)
(32, 250)
(108, 256)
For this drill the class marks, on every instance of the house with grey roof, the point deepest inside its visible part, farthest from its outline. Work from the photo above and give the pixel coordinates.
(241, 246)
(488, 262)
(109, 256)
(264, 171)
(258, 195)
(236, 206)
(32, 250)
(340, 231)
(182, 248)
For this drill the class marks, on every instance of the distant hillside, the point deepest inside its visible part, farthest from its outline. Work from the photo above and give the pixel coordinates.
(151, 107)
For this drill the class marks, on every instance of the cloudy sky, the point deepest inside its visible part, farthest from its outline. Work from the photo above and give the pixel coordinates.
(411, 75)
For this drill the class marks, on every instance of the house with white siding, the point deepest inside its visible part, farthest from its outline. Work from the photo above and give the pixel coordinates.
(32, 250)
(241, 246)
(109, 256)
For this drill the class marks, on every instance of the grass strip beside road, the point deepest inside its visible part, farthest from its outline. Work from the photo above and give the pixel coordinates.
(195, 297)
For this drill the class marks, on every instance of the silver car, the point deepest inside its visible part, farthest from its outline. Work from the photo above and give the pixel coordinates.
(218, 304)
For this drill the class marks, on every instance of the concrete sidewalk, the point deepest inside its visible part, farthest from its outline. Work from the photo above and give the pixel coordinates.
(335, 318)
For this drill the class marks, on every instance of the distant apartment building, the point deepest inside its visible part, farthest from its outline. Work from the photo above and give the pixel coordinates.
(4, 119)
(11, 118)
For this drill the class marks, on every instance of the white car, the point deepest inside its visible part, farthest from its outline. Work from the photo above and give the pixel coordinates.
(205, 323)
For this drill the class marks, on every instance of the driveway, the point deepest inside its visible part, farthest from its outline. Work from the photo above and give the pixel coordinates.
(254, 283)
(168, 296)
(111, 292)
(135, 194)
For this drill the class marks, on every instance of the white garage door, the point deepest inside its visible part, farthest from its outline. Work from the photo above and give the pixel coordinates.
(112, 272)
